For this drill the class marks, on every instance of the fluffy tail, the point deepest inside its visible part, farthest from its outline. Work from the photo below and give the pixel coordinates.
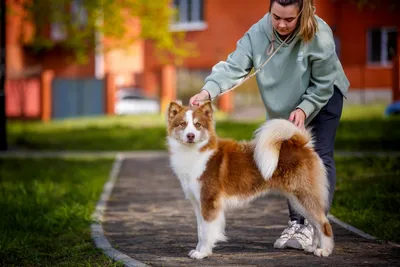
(268, 141)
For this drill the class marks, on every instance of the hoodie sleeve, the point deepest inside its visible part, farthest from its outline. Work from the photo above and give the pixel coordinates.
(226, 74)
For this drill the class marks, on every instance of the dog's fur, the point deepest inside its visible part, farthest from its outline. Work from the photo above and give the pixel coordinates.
(218, 174)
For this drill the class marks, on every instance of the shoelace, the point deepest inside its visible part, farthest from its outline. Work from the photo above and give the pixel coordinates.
(303, 231)
(292, 228)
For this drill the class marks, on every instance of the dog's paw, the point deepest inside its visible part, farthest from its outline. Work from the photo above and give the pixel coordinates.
(322, 252)
(310, 248)
(191, 252)
(194, 254)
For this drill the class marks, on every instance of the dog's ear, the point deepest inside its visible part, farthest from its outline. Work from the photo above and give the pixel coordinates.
(173, 109)
(207, 109)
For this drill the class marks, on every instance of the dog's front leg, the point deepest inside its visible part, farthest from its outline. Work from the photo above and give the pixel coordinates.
(199, 220)
(212, 232)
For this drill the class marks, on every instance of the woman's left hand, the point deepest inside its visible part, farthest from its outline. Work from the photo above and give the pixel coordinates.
(298, 117)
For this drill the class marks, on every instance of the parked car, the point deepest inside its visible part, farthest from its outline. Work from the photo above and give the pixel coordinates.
(133, 102)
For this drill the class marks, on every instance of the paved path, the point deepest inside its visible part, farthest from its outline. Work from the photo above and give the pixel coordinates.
(149, 220)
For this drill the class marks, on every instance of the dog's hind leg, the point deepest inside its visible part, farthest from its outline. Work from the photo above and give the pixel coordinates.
(212, 231)
(312, 208)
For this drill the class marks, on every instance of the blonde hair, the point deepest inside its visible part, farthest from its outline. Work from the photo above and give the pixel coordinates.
(308, 25)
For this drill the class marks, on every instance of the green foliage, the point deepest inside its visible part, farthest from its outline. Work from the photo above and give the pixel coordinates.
(111, 19)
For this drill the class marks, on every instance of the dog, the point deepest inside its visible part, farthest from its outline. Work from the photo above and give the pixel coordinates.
(218, 174)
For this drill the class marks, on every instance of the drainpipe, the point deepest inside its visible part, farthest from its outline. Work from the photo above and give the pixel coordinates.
(99, 52)
(168, 86)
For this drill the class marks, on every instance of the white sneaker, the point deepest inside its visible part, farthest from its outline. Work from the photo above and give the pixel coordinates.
(292, 228)
(303, 237)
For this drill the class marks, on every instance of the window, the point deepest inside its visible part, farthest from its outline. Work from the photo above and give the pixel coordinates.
(382, 45)
(189, 15)
(79, 14)
(132, 97)
(58, 29)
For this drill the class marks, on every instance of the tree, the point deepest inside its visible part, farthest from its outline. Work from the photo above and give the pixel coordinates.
(82, 20)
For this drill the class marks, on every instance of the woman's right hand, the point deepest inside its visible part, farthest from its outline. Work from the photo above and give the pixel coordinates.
(198, 98)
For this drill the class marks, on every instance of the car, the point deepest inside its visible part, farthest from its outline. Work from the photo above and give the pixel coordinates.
(133, 102)
(393, 109)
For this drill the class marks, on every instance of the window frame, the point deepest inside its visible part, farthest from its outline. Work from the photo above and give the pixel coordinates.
(198, 24)
(384, 57)
(58, 30)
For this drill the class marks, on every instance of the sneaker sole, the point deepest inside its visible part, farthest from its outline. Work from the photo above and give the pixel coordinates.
(280, 246)
(294, 244)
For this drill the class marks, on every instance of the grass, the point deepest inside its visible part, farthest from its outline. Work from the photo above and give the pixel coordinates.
(45, 211)
(361, 128)
(368, 195)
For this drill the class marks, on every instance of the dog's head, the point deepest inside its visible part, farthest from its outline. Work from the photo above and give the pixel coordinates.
(191, 126)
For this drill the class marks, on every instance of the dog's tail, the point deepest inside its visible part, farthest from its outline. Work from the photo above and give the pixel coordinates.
(268, 140)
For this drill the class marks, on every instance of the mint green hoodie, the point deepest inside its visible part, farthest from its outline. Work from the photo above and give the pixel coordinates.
(300, 75)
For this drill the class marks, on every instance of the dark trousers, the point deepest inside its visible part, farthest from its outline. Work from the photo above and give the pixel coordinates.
(324, 127)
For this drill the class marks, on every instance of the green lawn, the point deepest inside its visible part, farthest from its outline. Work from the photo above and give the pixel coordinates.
(361, 128)
(45, 211)
(368, 195)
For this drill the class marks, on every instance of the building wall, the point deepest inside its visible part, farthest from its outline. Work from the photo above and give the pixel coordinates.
(61, 62)
(352, 26)
(22, 61)
(14, 51)
(127, 64)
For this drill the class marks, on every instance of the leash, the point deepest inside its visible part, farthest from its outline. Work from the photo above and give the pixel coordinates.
(269, 51)
(271, 46)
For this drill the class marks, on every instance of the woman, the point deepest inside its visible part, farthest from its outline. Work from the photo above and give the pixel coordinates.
(303, 82)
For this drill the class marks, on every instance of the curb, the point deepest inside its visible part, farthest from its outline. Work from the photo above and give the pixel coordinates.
(356, 230)
(97, 231)
(350, 228)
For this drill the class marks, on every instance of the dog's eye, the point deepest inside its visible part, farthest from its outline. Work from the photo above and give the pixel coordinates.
(183, 123)
(198, 125)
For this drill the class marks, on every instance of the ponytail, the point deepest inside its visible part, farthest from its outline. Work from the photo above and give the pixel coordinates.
(308, 22)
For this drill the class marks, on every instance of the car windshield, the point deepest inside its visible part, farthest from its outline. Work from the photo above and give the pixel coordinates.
(132, 97)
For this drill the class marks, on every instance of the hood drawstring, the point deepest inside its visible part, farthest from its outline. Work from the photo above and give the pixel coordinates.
(270, 48)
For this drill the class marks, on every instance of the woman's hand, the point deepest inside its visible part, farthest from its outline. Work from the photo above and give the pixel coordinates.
(298, 117)
(198, 98)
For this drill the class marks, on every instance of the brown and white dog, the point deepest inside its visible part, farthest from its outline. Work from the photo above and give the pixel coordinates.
(218, 174)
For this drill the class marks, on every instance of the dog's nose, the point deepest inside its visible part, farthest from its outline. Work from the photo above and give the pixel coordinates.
(190, 136)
